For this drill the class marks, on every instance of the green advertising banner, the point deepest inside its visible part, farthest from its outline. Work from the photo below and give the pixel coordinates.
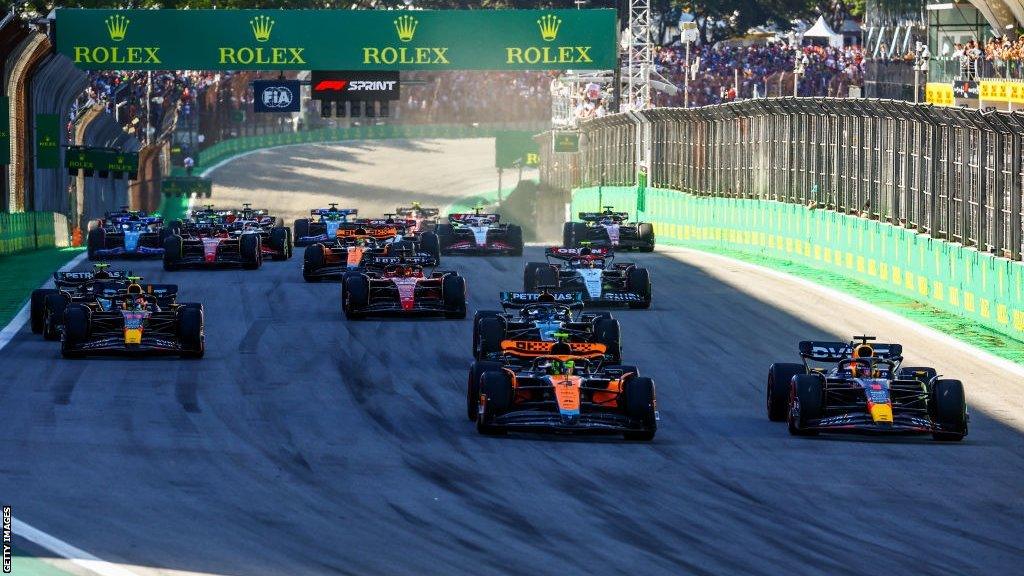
(100, 159)
(512, 146)
(47, 141)
(5, 130)
(567, 141)
(338, 39)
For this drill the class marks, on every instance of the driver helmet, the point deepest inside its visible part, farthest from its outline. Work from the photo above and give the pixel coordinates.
(559, 367)
(607, 221)
(546, 297)
(101, 272)
(862, 369)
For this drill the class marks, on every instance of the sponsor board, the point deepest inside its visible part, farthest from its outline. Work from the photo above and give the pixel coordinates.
(354, 85)
(276, 96)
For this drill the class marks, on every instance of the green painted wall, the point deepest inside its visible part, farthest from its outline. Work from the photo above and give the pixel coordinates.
(25, 231)
(976, 286)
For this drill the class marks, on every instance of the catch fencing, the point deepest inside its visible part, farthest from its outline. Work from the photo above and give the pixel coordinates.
(951, 173)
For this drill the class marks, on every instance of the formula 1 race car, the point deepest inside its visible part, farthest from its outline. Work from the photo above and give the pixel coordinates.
(866, 389)
(48, 305)
(133, 323)
(479, 233)
(214, 247)
(551, 388)
(353, 251)
(539, 316)
(608, 229)
(127, 236)
(592, 272)
(422, 219)
(322, 225)
(403, 289)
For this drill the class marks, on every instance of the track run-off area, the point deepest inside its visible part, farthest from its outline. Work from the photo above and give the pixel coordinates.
(306, 444)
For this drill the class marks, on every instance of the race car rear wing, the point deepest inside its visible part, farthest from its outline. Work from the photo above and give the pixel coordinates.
(417, 260)
(536, 348)
(114, 289)
(461, 217)
(79, 277)
(374, 232)
(573, 253)
(597, 216)
(520, 299)
(411, 211)
(328, 211)
(836, 351)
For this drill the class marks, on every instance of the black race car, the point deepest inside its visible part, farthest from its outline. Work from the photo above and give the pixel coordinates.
(550, 387)
(72, 283)
(608, 229)
(592, 272)
(133, 323)
(539, 316)
(479, 233)
(866, 389)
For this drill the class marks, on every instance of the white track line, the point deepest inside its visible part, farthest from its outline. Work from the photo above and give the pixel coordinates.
(77, 556)
(845, 298)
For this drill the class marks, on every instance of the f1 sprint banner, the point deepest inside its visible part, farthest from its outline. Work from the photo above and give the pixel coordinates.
(354, 86)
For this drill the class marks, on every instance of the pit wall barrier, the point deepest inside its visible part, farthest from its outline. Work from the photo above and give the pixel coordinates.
(32, 230)
(979, 287)
(228, 148)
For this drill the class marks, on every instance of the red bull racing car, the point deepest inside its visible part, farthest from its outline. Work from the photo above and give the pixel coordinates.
(560, 387)
(866, 389)
(133, 322)
(480, 233)
(608, 229)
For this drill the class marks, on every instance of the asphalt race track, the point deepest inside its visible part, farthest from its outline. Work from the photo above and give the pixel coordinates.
(306, 444)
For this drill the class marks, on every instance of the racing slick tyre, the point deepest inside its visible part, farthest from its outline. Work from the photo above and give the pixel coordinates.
(301, 228)
(37, 308)
(606, 331)
(477, 318)
(640, 407)
(922, 374)
(948, 408)
(492, 332)
(53, 308)
(453, 291)
(191, 331)
(645, 233)
(777, 390)
(444, 233)
(547, 276)
(515, 239)
(249, 248)
(567, 235)
(313, 258)
(76, 329)
(357, 296)
(807, 397)
(431, 244)
(172, 253)
(97, 241)
(496, 388)
(639, 281)
(281, 241)
(476, 370)
(579, 234)
(530, 275)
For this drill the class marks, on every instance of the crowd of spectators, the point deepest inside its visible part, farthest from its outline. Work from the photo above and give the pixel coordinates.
(763, 70)
(124, 93)
(473, 96)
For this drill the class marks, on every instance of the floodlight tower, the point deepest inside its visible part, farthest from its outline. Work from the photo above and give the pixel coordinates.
(640, 55)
